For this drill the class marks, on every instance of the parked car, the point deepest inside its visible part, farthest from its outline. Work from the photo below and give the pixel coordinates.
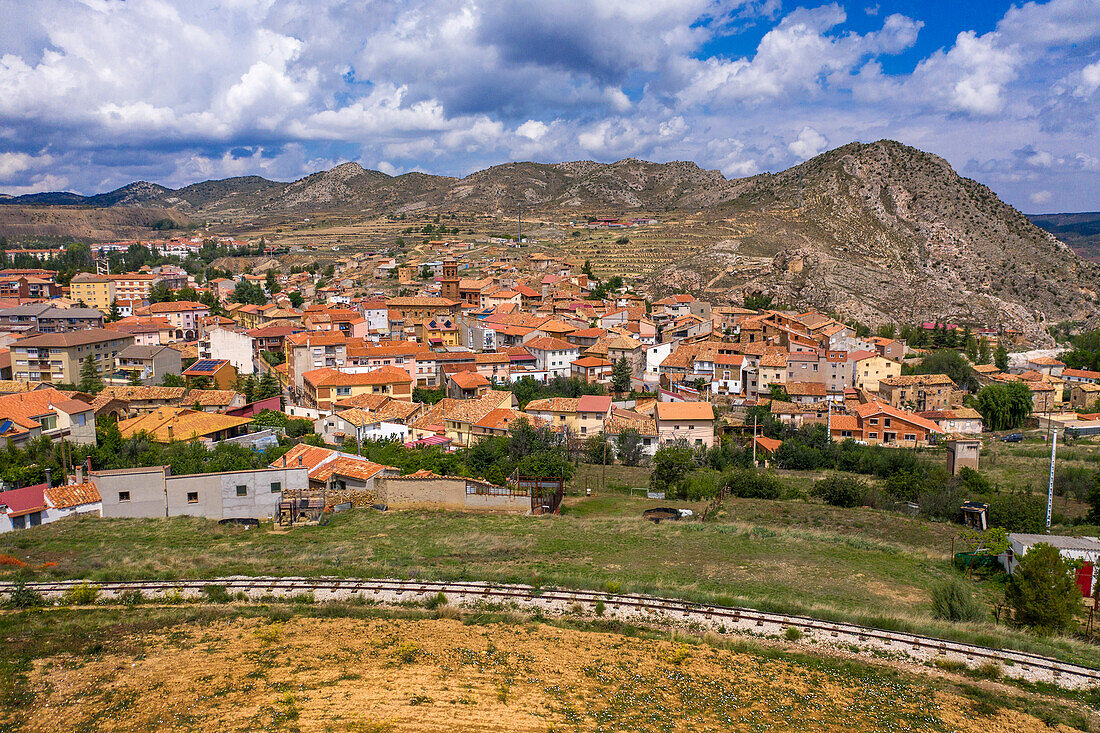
(1013, 438)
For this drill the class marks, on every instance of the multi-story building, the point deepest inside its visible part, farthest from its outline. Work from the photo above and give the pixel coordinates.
(185, 316)
(234, 346)
(94, 291)
(132, 285)
(314, 350)
(57, 357)
(324, 387)
(918, 392)
(553, 355)
(692, 422)
(45, 318)
(149, 364)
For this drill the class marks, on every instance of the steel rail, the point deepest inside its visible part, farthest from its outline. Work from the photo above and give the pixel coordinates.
(654, 609)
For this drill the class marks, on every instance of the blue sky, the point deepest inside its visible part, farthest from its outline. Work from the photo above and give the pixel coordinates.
(97, 93)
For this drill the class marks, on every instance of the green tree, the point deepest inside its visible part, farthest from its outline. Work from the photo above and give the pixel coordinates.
(598, 449)
(1000, 357)
(425, 272)
(268, 386)
(949, 362)
(272, 282)
(983, 350)
(1042, 592)
(778, 393)
(758, 301)
(172, 380)
(296, 298)
(114, 314)
(1004, 406)
(587, 270)
(620, 375)
(671, 465)
(161, 293)
(628, 446)
(972, 349)
(89, 376)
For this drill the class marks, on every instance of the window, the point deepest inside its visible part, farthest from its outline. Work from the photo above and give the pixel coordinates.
(886, 422)
(124, 496)
(873, 421)
(872, 435)
(192, 497)
(242, 490)
(276, 487)
(910, 436)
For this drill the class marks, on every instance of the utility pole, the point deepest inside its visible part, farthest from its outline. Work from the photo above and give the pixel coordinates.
(1050, 486)
(519, 223)
(829, 421)
(754, 440)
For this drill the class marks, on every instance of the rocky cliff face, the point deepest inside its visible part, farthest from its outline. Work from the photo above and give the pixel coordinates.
(886, 232)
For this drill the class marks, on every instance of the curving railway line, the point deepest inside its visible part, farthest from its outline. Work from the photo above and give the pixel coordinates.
(626, 607)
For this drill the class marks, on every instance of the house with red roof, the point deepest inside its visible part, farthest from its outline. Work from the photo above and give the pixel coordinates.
(886, 425)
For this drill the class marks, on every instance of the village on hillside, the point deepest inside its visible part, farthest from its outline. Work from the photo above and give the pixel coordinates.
(444, 349)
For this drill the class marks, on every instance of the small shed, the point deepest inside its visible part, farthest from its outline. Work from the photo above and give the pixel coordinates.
(962, 450)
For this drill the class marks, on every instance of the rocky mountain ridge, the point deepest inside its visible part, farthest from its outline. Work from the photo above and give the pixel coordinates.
(878, 231)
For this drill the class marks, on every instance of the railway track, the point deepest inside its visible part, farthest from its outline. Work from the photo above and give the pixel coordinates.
(626, 607)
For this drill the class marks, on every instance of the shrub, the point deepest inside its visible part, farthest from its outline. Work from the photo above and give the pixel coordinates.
(953, 601)
(748, 483)
(133, 597)
(23, 597)
(792, 633)
(1041, 591)
(1017, 512)
(434, 602)
(84, 594)
(699, 484)
(216, 593)
(841, 491)
(600, 608)
(971, 480)
(406, 653)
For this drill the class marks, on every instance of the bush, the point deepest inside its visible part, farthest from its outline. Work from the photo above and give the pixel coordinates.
(792, 633)
(84, 594)
(132, 597)
(1017, 512)
(841, 491)
(698, 485)
(953, 601)
(216, 593)
(748, 483)
(1041, 591)
(971, 480)
(434, 602)
(23, 597)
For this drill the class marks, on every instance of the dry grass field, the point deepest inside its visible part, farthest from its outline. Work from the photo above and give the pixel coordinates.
(436, 673)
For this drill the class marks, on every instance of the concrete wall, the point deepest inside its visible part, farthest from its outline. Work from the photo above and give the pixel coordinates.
(155, 494)
(403, 492)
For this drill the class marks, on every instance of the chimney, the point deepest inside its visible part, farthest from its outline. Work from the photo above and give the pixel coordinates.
(49, 483)
(299, 461)
(78, 475)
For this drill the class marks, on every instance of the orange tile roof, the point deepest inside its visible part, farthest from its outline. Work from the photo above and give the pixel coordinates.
(469, 380)
(685, 411)
(72, 495)
(548, 343)
(327, 377)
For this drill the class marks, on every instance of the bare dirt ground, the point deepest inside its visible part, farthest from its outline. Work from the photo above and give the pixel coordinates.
(309, 674)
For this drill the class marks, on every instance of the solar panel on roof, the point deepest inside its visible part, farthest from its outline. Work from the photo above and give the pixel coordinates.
(205, 365)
